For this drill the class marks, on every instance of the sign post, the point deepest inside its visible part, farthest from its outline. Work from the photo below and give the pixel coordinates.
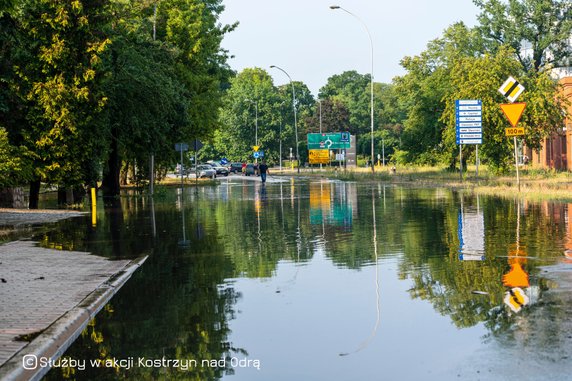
(511, 89)
(181, 147)
(469, 127)
(513, 112)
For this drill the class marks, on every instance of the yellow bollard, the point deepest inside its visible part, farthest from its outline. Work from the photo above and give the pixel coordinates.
(93, 207)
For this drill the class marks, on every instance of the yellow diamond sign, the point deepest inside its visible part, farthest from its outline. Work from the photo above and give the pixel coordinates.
(511, 89)
(515, 299)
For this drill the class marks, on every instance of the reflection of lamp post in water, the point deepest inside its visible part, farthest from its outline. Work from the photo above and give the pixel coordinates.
(377, 306)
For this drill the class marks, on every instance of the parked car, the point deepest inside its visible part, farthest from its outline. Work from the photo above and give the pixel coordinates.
(203, 170)
(220, 170)
(250, 169)
(235, 168)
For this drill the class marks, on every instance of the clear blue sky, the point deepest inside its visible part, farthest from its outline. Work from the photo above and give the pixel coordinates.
(312, 42)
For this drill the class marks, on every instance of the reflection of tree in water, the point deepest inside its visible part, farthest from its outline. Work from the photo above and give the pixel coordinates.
(176, 306)
(449, 284)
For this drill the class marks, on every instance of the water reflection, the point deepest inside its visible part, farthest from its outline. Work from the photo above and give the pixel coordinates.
(471, 232)
(308, 270)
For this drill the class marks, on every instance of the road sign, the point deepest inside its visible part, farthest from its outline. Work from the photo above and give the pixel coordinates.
(515, 298)
(469, 121)
(319, 156)
(224, 161)
(181, 147)
(255, 148)
(258, 154)
(328, 140)
(513, 112)
(511, 89)
(514, 131)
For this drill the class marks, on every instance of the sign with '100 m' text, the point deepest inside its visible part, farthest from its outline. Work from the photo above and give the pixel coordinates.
(469, 121)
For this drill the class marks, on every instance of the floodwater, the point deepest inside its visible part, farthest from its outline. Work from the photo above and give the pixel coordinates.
(328, 280)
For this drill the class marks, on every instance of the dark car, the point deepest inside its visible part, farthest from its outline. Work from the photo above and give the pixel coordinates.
(235, 168)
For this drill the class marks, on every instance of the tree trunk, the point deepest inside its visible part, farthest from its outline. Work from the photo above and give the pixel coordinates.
(110, 184)
(34, 194)
(62, 196)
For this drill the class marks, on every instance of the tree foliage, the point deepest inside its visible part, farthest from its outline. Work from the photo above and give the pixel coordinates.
(537, 30)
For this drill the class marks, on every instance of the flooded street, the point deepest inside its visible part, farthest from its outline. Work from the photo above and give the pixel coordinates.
(327, 280)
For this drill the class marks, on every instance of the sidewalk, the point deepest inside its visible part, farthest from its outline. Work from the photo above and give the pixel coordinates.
(47, 297)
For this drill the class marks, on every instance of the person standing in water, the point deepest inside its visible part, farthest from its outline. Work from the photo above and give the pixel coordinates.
(263, 169)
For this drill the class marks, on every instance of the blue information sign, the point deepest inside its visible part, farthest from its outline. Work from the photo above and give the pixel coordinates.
(469, 121)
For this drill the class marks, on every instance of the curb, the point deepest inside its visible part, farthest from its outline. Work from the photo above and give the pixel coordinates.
(57, 338)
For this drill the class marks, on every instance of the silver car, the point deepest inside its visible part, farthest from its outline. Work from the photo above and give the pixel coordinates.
(203, 170)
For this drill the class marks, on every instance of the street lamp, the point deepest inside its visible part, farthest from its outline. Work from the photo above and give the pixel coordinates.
(255, 123)
(371, 100)
(294, 107)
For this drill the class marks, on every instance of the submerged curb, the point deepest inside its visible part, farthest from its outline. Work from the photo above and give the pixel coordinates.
(57, 338)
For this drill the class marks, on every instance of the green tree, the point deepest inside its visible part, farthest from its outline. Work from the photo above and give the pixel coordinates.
(58, 67)
(248, 103)
(166, 90)
(353, 90)
(335, 117)
(537, 30)
(423, 88)
(478, 78)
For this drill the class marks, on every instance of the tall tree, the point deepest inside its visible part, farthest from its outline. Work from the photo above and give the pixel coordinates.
(537, 30)
(62, 45)
(353, 90)
(423, 88)
(335, 117)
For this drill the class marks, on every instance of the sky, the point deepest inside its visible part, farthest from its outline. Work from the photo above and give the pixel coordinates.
(312, 42)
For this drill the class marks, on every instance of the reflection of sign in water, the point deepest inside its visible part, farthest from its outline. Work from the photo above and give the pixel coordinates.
(515, 298)
(319, 202)
(471, 233)
(332, 204)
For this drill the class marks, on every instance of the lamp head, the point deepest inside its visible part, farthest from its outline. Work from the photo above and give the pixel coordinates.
(334, 7)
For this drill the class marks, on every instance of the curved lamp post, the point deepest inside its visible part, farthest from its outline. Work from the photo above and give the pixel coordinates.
(371, 100)
(294, 107)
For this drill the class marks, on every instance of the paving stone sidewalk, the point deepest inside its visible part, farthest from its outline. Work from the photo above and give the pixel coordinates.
(47, 297)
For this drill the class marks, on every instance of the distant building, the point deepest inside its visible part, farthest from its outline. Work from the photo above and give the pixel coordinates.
(556, 150)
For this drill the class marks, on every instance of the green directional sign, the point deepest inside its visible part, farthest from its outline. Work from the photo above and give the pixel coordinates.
(330, 140)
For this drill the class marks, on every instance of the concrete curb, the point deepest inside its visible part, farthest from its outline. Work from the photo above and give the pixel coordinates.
(57, 338)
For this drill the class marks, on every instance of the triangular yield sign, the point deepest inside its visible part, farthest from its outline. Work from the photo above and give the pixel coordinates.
(513, 111)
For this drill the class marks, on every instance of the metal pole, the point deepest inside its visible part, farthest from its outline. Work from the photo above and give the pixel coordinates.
(280, 156)
(516, 163)
(320, 103)
(383, 151)
(256, 127)
(181, 167)
(477, 160)
(371, 93)
(294, 107)
(461, 162)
